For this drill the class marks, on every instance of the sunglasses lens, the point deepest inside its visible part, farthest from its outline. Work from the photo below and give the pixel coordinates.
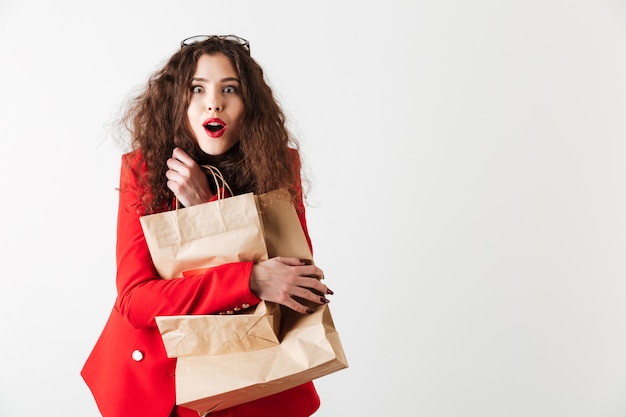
(193, 39)
(236, 39)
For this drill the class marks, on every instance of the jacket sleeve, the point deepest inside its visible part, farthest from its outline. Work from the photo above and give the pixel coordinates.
(142, 294)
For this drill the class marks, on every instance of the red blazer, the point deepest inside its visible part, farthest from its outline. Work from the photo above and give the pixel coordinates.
(128, 371)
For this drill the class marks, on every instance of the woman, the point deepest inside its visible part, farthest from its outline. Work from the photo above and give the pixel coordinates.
(209, 104)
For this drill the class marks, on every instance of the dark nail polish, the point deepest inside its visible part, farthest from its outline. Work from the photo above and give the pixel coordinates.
(324, 300)
(329, 291)
(306, 261)
(309, 311)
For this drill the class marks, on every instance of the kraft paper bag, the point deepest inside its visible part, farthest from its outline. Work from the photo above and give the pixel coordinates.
(240, 228)
(282, 229)
(309, 349)
(205, 235)
(221, 334)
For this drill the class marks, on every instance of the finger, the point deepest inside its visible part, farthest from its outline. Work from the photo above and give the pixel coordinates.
(173, 175)
(291, 261)
(174, 187)
(178, 166)
(314, 285)
(174, 165)
(183, 157)
(310, 295)
(311, 271)
(298, 307)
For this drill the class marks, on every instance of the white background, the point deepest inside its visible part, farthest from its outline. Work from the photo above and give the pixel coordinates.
(467, 204)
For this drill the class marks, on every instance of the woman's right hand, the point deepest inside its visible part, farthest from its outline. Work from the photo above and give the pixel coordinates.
(187, 180)
(281, 279)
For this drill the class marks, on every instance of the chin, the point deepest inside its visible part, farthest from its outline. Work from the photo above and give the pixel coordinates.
(213, 152)
(216, 150)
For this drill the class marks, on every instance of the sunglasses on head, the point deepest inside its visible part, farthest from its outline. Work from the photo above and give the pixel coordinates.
(201, 38)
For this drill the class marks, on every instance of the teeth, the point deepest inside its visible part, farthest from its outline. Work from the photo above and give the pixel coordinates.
(214, 127)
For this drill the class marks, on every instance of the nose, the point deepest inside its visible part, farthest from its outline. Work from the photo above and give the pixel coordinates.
(213, 107)
(214, 102)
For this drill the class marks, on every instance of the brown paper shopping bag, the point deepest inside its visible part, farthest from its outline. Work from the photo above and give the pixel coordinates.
(221, 334)
(282, 229)
(310, 348)
(210, 234)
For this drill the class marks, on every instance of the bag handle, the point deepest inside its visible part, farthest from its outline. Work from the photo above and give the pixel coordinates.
(218, 179)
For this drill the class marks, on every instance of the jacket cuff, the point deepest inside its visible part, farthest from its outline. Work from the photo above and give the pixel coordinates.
(241, 289)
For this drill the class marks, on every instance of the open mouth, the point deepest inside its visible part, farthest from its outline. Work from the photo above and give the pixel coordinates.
(214, 127)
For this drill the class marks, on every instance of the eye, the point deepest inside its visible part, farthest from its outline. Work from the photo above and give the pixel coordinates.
(230, 89)
(196, 89)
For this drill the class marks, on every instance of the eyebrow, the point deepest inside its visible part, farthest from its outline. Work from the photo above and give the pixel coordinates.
(223, 80)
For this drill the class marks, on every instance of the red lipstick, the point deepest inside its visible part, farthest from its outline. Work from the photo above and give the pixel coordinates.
(214, 127)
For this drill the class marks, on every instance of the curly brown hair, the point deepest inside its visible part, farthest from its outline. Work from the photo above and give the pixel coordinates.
(157, 120)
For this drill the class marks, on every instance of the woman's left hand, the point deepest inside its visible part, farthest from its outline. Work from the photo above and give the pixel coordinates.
(187, 180)
(287, 281)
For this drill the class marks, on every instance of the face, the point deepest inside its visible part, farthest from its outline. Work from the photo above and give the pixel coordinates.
(216, 107)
